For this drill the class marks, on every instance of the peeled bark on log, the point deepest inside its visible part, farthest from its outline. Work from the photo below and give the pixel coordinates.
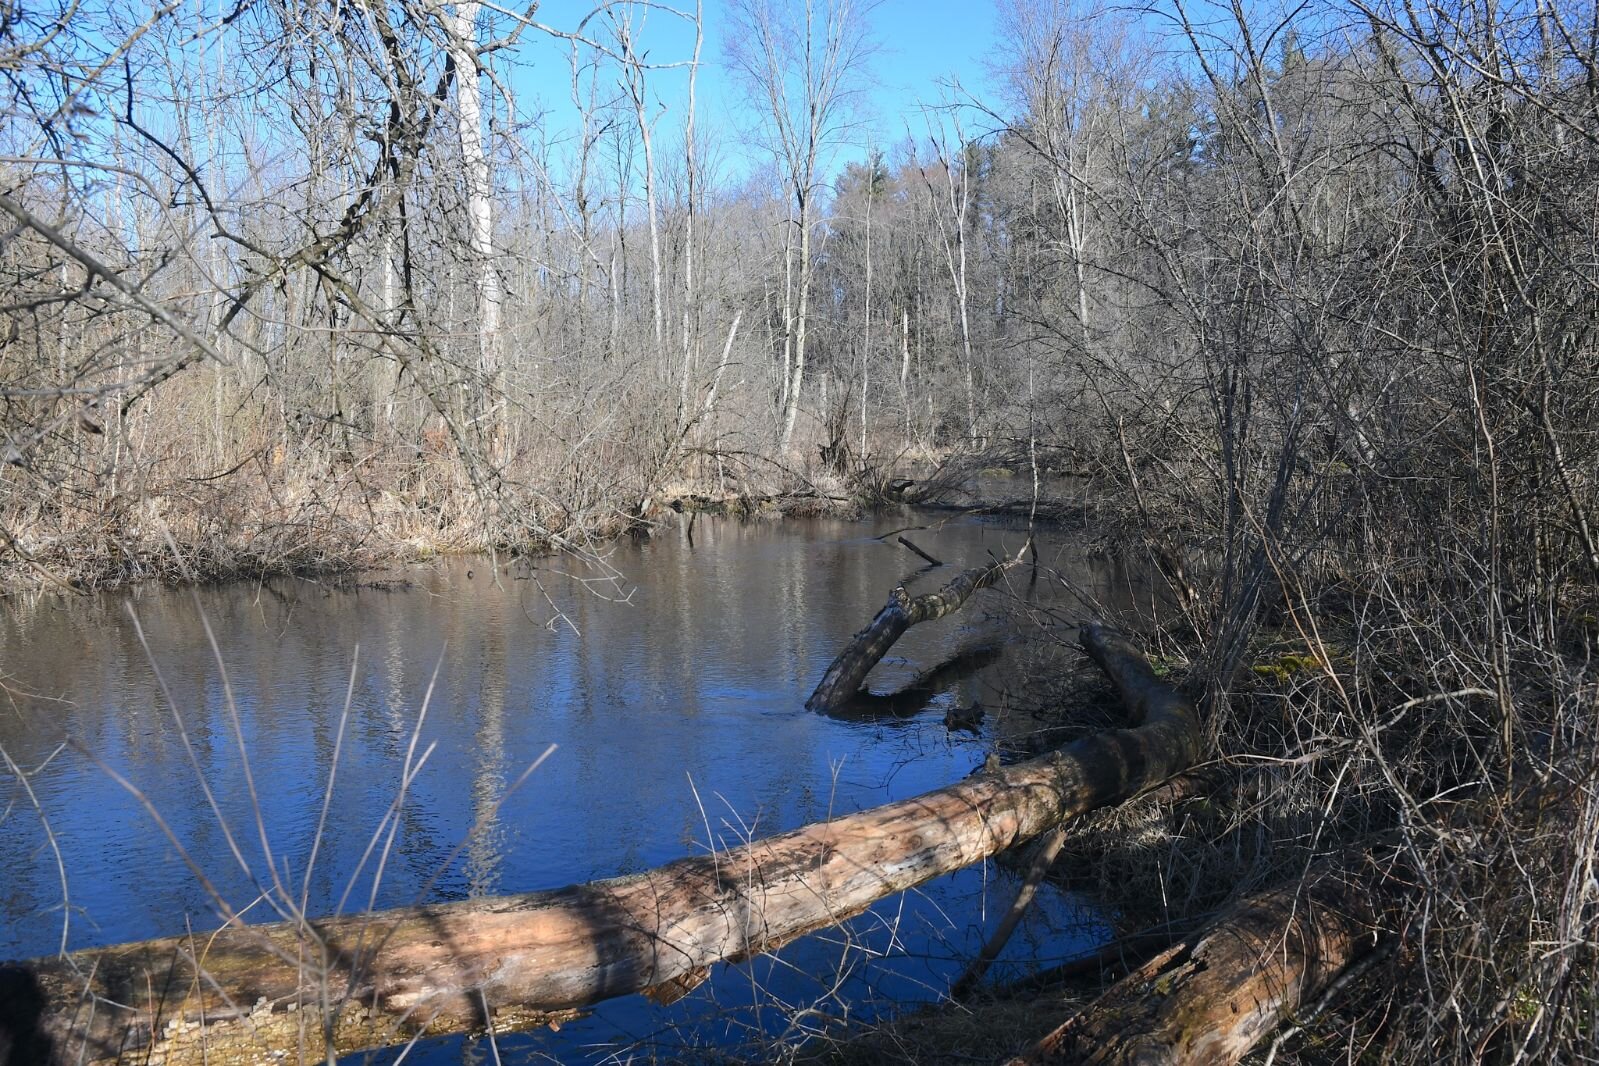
(374, 980)
(844, 677)
(1210, 999)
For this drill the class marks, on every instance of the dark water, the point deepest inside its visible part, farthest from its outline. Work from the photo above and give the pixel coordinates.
(671, 682)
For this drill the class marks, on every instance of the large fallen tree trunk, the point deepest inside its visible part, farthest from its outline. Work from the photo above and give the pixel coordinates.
(375, 980)
(843, 679)
(1210, 999)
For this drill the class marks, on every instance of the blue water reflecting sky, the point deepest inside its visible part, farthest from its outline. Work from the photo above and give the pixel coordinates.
(673, 697)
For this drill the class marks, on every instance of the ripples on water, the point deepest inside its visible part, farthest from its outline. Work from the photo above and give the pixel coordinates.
(674, 694)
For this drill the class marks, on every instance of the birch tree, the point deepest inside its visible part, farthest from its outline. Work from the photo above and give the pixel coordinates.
(952, 216)
(479, 191)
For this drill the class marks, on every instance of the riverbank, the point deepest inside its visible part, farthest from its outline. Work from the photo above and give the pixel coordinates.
(274, 517)
(1360, 748)
(337, 522)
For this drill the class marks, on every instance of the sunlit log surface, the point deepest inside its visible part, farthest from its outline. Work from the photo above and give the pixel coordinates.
(252, 993)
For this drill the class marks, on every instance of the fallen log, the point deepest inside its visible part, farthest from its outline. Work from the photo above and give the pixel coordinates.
(356, 982)
(1096, 968)
(1210, 999)
(843, 679)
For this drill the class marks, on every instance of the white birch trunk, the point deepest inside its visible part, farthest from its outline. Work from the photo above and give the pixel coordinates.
(690, 311)
(799, 323)
(479, 193)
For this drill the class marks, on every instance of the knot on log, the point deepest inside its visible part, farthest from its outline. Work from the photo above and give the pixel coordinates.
(900, 598)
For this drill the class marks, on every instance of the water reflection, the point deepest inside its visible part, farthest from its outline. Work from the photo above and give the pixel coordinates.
(678, 716)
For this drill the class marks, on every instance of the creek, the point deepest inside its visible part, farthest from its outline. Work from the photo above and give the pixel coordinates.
(670, 679)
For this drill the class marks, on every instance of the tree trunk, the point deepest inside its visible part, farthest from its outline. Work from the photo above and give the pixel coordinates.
(517, 961)
(479, 190)
(798, 380)
(691, 309)
(1210, 999)
(633, 67)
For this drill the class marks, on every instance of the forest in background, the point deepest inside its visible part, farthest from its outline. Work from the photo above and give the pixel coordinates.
(1306, 296)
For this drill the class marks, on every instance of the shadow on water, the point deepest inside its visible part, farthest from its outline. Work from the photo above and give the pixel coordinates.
(918, 695)
(674, 693)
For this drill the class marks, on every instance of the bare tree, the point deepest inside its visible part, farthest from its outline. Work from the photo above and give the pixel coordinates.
(806, 67)
(953, 215)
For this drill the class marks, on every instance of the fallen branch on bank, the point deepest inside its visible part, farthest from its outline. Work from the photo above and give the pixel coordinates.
(844, 678)
(498, 964)
(1210, 999)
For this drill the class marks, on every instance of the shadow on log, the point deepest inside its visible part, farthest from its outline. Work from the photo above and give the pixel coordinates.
(842, 682)
(245, 993)
(1210, 999)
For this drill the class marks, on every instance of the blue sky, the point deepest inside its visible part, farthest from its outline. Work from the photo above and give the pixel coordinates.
(919, 43)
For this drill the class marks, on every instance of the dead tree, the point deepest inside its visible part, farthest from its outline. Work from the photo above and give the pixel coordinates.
(1210, 999)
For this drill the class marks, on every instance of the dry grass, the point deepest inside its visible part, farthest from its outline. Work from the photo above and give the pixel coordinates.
(985, 1031)
(247, 498)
